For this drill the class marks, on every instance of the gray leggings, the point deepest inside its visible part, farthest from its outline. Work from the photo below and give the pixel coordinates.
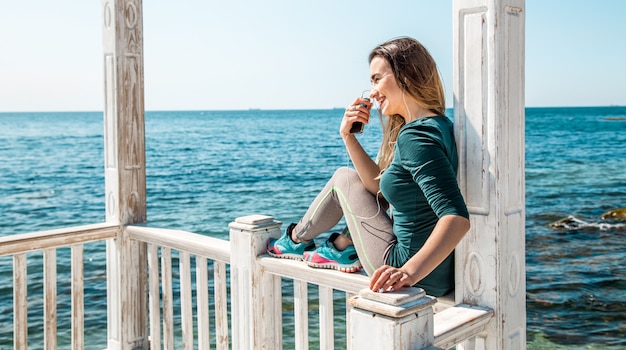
(369, 225)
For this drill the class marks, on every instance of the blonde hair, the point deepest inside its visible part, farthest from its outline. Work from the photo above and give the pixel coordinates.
(417, 75)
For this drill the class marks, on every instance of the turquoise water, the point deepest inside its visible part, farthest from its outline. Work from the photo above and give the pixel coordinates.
(204, 169)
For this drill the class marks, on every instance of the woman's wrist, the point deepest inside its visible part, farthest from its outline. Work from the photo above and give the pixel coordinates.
(348, 137)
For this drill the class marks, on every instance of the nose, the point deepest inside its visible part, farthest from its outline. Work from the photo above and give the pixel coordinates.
(373, 93)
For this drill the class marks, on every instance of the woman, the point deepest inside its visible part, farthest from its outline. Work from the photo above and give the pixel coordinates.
(414, 176)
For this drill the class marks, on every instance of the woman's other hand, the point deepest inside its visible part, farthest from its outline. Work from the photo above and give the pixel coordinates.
(388, 279)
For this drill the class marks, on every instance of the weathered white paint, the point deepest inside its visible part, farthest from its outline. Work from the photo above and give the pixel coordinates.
(202, 303)
(489, 121)
(168, 299)
(349, 282)
(466, 321)
(278, 314)
(29, 242)
(50, 298)
(348, 323)
(301, 313)
(327, 318)
(252, 289)
(20, 302)
(154, 296)
(217, 249)
(186, 315)
(186, 244)
(221, 311)
(398, 320)
(78, 296)
(459, 322)
(463, 324)
(48, 242)
(125, 172)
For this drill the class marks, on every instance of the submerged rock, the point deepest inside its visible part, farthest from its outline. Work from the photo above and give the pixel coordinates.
(615, 215)
(573, 223)
(569, 223)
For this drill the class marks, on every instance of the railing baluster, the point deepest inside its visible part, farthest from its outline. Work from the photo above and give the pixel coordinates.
(168, 302)
(202, 303)
(78, 296)
(50, 298)
(327, 329)
(348, 308)
(221, 302)
(20, 302)
(186, 313)
(154, 297)
(301, 313)
(278, 308)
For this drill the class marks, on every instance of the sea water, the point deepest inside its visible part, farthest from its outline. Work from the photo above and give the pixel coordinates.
(205, 168)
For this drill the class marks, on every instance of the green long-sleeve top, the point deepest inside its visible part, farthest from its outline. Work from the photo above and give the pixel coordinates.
(421, 186)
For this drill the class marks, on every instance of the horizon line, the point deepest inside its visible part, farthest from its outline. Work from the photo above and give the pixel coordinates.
(275, 109)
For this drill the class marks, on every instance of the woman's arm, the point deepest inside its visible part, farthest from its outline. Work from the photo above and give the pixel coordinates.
(365, 166)
(447, 233)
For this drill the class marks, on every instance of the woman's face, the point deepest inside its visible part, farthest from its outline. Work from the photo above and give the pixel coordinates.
(385, 90)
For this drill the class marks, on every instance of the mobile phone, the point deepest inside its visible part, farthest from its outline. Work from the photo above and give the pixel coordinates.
(357, 127)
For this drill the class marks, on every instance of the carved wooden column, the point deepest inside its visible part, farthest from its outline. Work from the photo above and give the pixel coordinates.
(125, 171)
(489, 121)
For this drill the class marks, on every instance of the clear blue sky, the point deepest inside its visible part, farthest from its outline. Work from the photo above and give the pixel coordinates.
(275, 54)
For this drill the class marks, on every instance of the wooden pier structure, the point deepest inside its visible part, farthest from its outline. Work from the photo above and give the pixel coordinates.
(230, 294)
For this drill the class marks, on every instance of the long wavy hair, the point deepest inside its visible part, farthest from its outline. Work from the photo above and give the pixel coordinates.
(417, 75)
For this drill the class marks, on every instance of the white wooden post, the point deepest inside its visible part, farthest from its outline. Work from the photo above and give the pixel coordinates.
(125, 171)
(489, 121)
(255, 295)
(395, 321)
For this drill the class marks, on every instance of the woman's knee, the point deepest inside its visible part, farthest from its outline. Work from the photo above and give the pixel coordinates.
(346, 173)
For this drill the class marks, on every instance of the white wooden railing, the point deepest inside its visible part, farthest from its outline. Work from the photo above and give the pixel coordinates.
(18, 246)
(161, 243)
(245, 310)
(401, 320)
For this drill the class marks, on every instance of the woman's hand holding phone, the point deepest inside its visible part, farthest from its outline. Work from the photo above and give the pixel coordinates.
(356, 115)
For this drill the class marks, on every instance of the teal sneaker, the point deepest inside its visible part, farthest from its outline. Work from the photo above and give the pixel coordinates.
(285, 247)
(328, 257)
